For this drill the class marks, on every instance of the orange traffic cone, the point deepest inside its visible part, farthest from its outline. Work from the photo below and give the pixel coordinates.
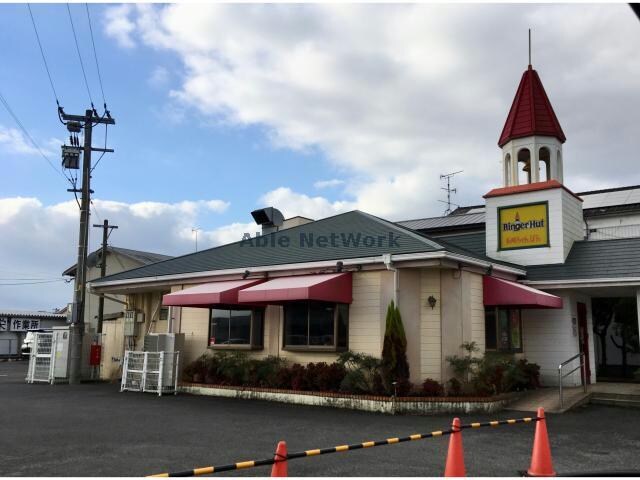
(541, 465)
(279, 469)
(455, 455)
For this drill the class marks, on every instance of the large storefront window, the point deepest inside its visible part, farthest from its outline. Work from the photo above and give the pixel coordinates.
(233, 328)
(503, 329)
(316, 325)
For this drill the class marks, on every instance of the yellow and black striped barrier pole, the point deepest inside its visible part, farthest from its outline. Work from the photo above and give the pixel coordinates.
(341, 448)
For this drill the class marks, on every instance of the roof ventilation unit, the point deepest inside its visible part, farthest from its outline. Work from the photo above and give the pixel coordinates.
(270, 218)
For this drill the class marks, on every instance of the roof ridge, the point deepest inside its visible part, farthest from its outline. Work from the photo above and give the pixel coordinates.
(423, 238)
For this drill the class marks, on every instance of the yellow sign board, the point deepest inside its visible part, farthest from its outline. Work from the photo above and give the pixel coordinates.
(523, 226)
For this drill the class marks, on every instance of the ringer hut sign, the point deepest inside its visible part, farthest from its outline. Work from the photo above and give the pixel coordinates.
(523, 226)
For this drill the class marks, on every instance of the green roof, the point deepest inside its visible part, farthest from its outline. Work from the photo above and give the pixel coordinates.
(354, 234)
(588, 259)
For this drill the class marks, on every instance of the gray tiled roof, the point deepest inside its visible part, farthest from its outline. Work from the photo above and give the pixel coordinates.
(594, 259)
(143, 258)
(449, 221)
(32, 314)
(351, 225)
(618, 258)
(472, 242)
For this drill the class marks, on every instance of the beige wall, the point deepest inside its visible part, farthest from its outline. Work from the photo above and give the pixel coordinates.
(432, 334)
(462, 314)
(372, 292)
(430, 327)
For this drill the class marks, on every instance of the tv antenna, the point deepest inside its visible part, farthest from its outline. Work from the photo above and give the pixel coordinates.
(449, 190)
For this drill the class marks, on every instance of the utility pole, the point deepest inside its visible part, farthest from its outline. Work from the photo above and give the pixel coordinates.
(449, 190)
(74, 123)
(106, 231)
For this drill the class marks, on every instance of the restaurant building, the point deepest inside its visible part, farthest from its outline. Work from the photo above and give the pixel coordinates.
(521, 273)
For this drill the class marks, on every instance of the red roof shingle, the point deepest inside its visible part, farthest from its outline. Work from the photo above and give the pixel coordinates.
(531, 112)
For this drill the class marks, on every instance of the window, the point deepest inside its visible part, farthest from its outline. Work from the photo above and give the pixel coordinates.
(503, 329)
(316, 325)
(235, 328)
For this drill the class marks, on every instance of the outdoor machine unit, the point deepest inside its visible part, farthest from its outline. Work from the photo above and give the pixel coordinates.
(163, 342)
(49, 358)
(156, 368)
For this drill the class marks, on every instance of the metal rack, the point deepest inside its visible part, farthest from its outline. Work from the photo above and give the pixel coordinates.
(155, 372)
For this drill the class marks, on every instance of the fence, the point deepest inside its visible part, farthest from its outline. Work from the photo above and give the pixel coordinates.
(40, 359)
(155, 372)
(541, 464)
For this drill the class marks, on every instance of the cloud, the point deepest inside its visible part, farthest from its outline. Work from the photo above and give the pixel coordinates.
(291, 203)
(334, 182)
(39, 241)
(118, 25)
(412, 92)
(159, 77)
(13, 141)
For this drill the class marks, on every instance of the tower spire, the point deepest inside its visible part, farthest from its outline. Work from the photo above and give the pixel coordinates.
(529, 48)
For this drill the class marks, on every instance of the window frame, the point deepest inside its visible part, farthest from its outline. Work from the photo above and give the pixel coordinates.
(496, 319)
(254, 343)
(317, 348)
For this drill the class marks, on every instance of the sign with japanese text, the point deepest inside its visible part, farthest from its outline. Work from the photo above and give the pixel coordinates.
(523, 226)
(18, 324)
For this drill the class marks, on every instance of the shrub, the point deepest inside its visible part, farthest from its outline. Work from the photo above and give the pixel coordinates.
(325, 377)
(395, 367)
(432, 388)
(362, 373)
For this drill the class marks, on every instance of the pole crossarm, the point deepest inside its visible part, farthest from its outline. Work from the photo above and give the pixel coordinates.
(342, 448)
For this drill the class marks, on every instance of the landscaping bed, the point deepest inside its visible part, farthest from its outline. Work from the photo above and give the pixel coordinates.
(368, 403)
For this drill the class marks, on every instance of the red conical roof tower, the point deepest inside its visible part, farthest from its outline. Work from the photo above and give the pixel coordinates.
(531, 112)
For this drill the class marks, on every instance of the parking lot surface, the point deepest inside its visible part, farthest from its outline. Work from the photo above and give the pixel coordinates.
(94, 430)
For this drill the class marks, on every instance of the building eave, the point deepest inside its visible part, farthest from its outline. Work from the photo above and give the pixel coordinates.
(164, 280)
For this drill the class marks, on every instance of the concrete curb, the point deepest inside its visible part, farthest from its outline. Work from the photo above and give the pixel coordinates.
(408, 405)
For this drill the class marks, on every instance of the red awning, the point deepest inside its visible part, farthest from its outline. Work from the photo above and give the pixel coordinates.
(208, 294)
(333, 287)
(498, 293)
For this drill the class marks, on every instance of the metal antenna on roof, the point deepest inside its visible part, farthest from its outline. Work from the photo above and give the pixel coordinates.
(529, 47)
(448, 189)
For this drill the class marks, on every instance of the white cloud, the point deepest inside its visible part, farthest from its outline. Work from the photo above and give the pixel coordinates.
(118, 25)
(291, 203)
(412, 92)
(13, 141)
(159, 77)
(334, 182)
(39, 241)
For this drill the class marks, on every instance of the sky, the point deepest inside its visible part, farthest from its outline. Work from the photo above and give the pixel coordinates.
(314, 109)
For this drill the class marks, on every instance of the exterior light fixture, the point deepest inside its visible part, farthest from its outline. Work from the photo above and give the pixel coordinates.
(431, 301)
(339, 266)
(246, 274)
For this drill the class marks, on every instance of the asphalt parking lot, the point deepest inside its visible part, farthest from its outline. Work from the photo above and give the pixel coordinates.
(94, 430)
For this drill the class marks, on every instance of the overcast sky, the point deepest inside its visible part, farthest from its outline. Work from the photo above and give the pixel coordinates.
(314, 109)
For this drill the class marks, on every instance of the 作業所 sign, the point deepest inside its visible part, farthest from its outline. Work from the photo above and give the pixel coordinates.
(523, 226)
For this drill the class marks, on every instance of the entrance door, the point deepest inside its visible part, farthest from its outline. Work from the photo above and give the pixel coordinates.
(583, 340)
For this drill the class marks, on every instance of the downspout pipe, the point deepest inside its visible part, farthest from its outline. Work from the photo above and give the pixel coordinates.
(388, 262)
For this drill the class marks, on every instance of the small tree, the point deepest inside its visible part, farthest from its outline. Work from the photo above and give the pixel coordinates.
(395, 367)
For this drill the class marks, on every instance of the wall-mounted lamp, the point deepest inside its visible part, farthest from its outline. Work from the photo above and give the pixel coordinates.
(339, 266)
(431, 301)
(246, 274)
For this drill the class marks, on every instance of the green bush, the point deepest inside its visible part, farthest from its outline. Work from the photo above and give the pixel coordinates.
(362, 373)
(492, 374)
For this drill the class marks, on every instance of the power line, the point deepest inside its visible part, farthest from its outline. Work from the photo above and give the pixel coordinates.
(4, 102)
(75, 38)
(106, 131)
(32, 283)
(44, 59)
(95, 55)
